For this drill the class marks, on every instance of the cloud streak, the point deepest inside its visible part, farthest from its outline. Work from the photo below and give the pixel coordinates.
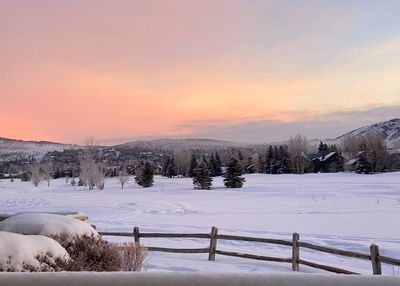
(325, 126)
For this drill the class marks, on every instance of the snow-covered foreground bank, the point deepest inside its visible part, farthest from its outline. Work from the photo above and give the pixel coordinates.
(346, 211)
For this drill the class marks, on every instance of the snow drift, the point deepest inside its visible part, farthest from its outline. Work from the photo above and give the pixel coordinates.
(46, 224)
(23, 252)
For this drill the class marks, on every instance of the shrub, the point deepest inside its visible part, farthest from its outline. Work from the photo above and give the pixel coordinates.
(91, 253)
(133, 257)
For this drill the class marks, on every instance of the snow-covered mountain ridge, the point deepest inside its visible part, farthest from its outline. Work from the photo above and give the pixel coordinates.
(11, 149)
(389, 130)
(181, 144)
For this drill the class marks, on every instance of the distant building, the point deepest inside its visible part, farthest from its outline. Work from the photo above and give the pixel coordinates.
(328, 163)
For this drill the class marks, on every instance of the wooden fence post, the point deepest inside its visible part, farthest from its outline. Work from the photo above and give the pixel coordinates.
(213, 243)
(136, 234)
(376, 261)
(295, 252)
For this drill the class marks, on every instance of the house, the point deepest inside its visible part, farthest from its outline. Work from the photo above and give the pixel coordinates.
(351, 165)
(327, 163)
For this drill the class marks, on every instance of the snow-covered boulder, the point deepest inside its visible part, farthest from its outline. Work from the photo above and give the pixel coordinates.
(29, 252)
(46, 224)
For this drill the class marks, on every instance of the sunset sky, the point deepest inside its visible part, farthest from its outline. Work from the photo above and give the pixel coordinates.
(249, 71)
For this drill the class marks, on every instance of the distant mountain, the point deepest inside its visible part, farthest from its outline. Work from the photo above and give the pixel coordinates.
(11, 149)
(389, 130)
(180, 144)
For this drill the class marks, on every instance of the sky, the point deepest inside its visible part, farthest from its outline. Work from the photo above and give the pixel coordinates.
(247, 71)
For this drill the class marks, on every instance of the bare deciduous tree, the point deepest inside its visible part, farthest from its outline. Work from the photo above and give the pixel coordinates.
(47, 171)
(298, 149)
(123, 176)
(36, 176)
(182, 161)
(90, 171)
(100, 175)
(351, 145)
(377, 151)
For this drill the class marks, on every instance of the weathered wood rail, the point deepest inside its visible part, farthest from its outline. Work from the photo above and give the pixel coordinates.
(374, 256)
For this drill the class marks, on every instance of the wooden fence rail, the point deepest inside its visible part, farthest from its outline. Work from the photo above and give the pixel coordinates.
(296, 245)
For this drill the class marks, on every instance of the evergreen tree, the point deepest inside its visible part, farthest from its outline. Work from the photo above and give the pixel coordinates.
(202, 180)
(275, 162)
(363, 165)
(145, 175)
(260, 165)
(233, 176)
(240, 156)
(323, 148)
(268, 160)
(284, 160)
(211, 165)
(215, 166)
(218, 165)
(204, 159)
(192, 166)
(165, 166)
(172, 170)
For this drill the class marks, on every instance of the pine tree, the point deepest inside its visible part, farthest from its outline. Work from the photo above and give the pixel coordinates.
(192, 166)
(240, 156)
(166, 164)
(268, 160)
(218, 165)
(260, 165)
(172, 170)
(275, 162)
(202, 180)
(204, 159)
(145, 175)
(323, 148)
(284, 160)
(363, 165)
(215, 166)
(233, 176)
(211, 165)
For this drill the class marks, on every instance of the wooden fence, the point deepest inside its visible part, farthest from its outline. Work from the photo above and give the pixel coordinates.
(213, 237)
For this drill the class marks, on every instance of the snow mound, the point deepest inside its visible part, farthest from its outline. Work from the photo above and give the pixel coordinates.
(46, 224)
(21, 252)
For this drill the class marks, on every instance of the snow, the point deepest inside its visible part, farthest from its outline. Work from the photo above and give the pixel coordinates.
(328, 156)
(19, 251)
(46, 224)
(324, 158)
(16, 149)
(351, 162)
(389, 130)
(343, 210)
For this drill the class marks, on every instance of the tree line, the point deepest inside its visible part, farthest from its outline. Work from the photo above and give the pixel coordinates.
(368, 153)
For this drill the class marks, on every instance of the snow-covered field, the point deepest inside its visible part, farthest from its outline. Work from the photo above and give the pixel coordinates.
(345, 211)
